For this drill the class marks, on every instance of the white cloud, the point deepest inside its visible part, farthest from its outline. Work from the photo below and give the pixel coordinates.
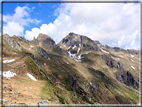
(13, 28)
(21, 15)
(15, 23)
(45, 29)
(106, 22)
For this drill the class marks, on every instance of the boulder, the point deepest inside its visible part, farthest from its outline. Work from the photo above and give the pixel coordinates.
(42, 103)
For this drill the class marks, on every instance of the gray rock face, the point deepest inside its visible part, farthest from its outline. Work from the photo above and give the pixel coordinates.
(123, 75)
(11, 42)
(132, 52)
(35, 59)
(42, 103)
(73, 83)
(49, 43)
(117, 49)
(19, 39)
(46, 40)
(42, 52)
(112, 63)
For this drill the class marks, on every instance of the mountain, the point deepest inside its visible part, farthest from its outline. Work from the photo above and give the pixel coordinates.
(78, 70)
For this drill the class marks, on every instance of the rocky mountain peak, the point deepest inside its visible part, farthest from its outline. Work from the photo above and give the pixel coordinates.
(75, 39)
(45, 40)
(43, 36)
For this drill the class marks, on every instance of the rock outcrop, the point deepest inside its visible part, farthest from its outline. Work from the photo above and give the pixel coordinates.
(42, 52)
(123, 75)
(45, 40)
(128, 51)
(73, 83)
(19, 39)
(11, 42)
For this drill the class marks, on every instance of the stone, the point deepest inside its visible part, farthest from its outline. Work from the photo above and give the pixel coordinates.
(43, 103)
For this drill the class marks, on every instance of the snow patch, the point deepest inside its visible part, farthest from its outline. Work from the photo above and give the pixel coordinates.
(8, 61)
(132, 67)
(132, 55)
(78, 50)
(132, 60)
(69, 47)
(104, 51)
(15, 53)
(31, 46)
(67, 62)
(117, 58)
(33, 78)
(44, 63)
(74, 47)
(74, 56)
(8, 74)
(121, 56)
(71, 55)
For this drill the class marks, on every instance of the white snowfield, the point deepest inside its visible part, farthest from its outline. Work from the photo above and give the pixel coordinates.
(132, 67)
(8, 74)
(104, 51)
(8, 61)
(33, 78)
(132, 55)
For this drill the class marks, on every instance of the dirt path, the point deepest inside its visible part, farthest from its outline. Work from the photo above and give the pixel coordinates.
(22, 90)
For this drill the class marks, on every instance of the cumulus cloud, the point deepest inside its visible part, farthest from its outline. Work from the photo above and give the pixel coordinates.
(13, 28)
(110, 23)
(14, 24)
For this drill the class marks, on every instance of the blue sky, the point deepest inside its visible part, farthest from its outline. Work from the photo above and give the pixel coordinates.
(114, 24)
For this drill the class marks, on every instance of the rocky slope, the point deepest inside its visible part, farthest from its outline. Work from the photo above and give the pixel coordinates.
(76, 71)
